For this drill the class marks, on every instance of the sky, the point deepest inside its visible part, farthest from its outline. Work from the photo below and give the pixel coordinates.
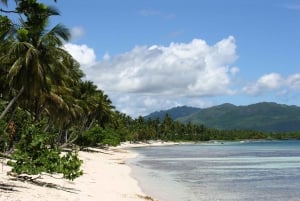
(151, 55)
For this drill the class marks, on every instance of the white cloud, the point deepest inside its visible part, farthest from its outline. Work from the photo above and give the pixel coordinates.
(106, 56)
(293, 81)
(265, 83)
(139, 105)
(273, 82)
(234, 70)
(82, 53)
(180, 69)
(150, 78)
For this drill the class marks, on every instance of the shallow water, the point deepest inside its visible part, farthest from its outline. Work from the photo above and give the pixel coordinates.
(248, 171)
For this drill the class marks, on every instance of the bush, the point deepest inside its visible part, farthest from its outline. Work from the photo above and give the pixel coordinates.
(98, 135)
(33, 156)
(111, 137)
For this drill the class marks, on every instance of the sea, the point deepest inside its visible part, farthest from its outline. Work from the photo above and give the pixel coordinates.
(220, 171)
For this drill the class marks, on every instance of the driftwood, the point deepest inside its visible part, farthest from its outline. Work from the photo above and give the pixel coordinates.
(24, 177)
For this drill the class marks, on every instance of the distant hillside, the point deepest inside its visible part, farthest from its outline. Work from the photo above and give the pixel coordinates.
(265, 116)
(174, 113)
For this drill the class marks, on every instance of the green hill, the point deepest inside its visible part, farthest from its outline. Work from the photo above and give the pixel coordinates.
(265, 116)
(174, 113)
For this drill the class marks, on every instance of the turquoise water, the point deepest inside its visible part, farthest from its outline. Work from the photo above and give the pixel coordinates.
(237, 171)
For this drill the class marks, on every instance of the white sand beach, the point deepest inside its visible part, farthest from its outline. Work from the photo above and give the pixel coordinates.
(106, 177)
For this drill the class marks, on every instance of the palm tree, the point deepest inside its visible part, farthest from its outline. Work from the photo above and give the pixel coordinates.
(6, 28)
(98, 106)
(36, 57)
(104, 112)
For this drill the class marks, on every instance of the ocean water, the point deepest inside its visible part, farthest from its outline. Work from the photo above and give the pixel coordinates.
(229, 171)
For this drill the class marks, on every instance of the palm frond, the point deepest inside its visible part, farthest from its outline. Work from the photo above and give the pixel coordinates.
(56, 99)
(15, 69)
(31, 55)
(61, 31)
(18, 49)
(51, 10)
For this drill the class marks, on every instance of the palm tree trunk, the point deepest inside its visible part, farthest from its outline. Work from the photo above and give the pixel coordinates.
(11, 103)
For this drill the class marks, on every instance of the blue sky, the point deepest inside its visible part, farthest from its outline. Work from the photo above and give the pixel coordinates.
(150, 55)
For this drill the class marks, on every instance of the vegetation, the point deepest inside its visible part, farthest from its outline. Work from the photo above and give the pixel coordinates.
(265, 117)
(46, 106)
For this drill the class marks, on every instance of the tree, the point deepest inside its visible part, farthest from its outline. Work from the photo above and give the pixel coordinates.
(35, 56)
(38, 73)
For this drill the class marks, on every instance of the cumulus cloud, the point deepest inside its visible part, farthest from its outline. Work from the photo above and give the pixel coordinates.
(273, 82)
(293, 81)
(149, 78)
(180, 69)
(139, 105)
(82, 53)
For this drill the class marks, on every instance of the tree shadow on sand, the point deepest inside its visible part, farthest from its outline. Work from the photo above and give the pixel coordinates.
(9, 187)
(38, 183)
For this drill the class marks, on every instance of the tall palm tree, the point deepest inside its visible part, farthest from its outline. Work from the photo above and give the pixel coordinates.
(98, 105)
(104, 112)
(35, 56)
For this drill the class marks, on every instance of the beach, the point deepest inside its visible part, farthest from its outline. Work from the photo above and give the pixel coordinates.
(106, 177)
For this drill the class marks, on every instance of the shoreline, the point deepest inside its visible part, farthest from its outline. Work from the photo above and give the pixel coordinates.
(106, 177)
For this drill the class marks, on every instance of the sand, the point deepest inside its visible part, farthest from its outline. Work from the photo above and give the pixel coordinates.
(106, 177)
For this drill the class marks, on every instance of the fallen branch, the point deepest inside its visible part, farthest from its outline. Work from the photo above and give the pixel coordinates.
(24, 177)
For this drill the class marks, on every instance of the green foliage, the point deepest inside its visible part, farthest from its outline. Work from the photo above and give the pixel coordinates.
(34, 156)
(99, 136)
(111, 137)
(70, 166)
(169, 129)
(22, 34)
(5, 26)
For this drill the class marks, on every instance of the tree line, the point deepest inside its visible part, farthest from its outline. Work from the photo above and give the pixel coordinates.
(46, 105)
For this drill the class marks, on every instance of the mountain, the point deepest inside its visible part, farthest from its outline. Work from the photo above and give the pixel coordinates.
(264, 116)
(174, 113)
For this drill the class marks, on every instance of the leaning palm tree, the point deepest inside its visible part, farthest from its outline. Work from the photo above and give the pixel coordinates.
(36, 58)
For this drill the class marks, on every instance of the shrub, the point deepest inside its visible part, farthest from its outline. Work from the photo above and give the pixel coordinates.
(33, 156)
(98, 135)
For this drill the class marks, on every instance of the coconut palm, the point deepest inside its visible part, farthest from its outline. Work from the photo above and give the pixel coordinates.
(98, 107)
(36, 58)
(104, 112)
